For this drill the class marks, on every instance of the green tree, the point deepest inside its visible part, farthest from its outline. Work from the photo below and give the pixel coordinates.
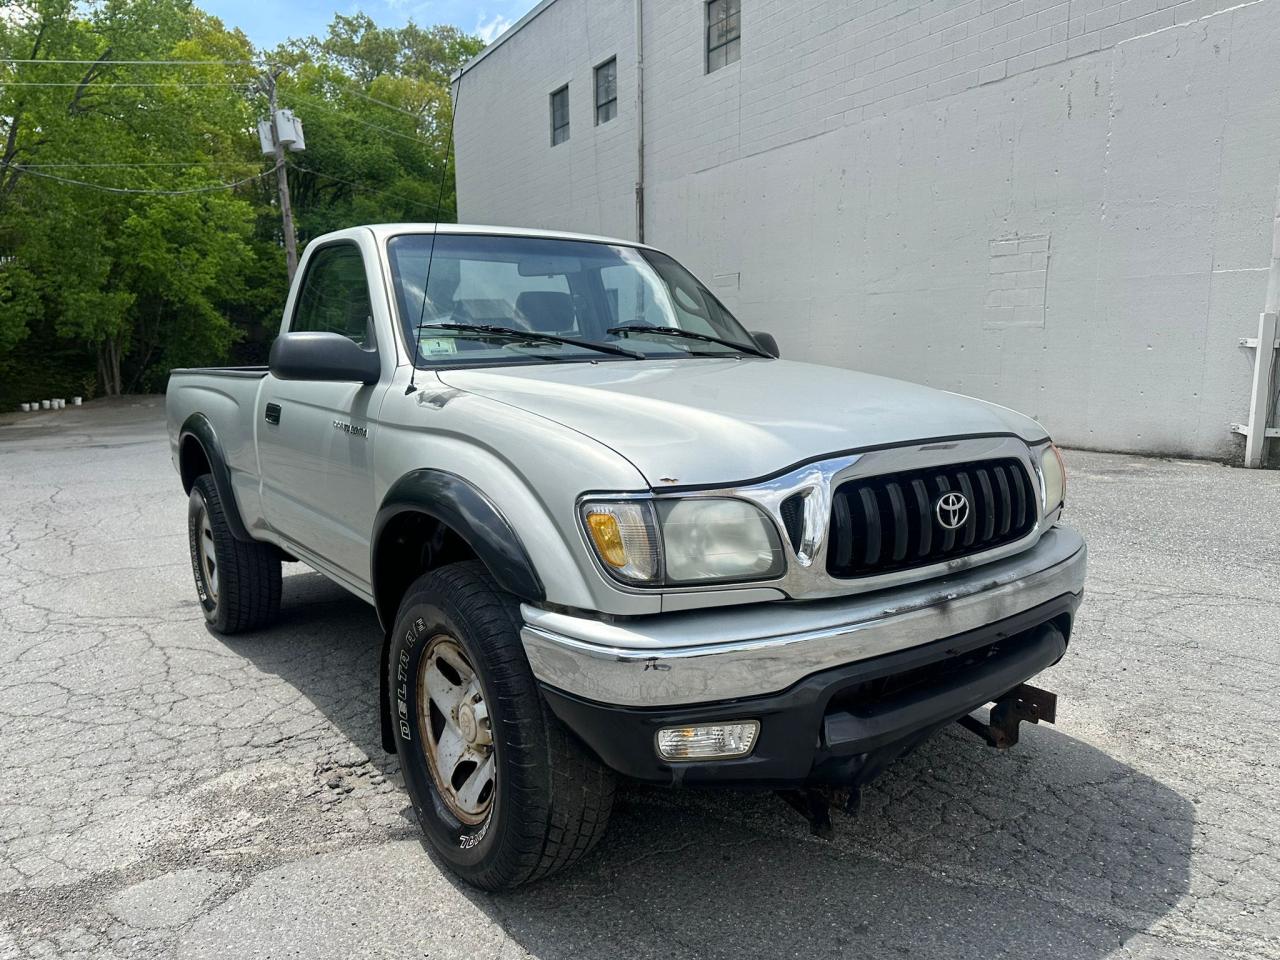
(377, 110)
(95, 215)
(139, 227)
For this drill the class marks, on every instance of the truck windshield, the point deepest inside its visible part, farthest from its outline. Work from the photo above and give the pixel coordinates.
(569, 289)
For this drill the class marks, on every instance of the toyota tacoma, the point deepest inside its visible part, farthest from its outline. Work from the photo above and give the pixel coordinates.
(608, 532)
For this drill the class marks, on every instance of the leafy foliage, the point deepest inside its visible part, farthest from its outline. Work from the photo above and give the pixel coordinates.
(168, 266)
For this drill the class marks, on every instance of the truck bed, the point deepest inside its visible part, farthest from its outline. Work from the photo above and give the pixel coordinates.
(255, 373)
(226, 398)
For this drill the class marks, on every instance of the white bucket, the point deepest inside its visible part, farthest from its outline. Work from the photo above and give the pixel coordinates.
(46, 404)
(24, 407)
(75, 401)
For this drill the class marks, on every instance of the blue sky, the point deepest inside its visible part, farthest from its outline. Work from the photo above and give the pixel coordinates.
(268, 22)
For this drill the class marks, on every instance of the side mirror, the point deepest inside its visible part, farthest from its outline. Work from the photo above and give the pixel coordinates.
(323, 356)
(766, 342)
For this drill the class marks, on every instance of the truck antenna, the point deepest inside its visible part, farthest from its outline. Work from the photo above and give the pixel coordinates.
(431, 252)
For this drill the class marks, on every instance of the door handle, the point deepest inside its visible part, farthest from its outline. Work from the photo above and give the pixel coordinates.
(273, 413)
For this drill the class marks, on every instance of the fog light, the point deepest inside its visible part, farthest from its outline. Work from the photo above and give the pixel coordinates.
(717, 741)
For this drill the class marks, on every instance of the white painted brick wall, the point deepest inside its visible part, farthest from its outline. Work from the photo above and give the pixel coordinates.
(852, 170)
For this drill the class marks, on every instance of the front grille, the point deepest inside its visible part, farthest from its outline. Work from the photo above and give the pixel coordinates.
(890, 522)
(793, 519)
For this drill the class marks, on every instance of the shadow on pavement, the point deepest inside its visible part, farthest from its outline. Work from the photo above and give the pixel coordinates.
(1051, 849)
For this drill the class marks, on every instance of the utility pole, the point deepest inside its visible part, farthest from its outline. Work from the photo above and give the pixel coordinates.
(268, 84)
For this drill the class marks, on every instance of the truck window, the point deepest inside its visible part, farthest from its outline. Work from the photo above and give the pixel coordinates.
(335, 295)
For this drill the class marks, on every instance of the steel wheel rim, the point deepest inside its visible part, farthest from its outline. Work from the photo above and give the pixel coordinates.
(454, 719)
(206, 554)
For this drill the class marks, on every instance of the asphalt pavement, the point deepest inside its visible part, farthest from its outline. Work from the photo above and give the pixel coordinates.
(169, 792)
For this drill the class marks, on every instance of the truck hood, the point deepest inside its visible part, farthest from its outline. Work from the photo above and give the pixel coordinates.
(720, 421)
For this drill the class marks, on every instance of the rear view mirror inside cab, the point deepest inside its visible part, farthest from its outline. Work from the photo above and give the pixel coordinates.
(549, 266)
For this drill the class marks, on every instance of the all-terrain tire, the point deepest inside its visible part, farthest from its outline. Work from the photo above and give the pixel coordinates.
(550, 797)
(238, 583)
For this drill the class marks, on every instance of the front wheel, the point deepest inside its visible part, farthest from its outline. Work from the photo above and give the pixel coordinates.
(504, 793)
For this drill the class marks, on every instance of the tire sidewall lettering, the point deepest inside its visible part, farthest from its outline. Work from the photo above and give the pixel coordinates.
(198, 503)
(413, 627)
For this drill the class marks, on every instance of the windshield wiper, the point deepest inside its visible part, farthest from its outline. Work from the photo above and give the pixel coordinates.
(689, 335)
(493, 330)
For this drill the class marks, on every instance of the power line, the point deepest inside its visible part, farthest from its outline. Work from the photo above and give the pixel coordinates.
(141, 63)
(381, 103)
(359, 186)
(95, 84)
(289, 94)
(148, 163)
(211, 188)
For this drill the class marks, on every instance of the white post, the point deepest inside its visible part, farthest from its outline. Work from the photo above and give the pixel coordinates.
(1264, 359)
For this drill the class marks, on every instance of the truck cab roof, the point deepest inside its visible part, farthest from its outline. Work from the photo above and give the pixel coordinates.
(384, 231)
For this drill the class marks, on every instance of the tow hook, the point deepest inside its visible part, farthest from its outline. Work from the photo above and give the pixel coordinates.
(1023, 702)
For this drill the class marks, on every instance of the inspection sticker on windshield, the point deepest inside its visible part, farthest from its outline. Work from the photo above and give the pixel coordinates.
(438, 346)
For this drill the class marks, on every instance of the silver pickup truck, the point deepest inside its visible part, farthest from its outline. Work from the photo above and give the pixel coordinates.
(608, 532)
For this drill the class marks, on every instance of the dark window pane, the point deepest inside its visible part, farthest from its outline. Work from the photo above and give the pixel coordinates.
(606, 91)
(560, 116)
(723, 31)
(335, 295)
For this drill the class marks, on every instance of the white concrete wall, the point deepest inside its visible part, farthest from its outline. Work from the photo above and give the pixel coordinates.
(1059, 206)
(508, 172)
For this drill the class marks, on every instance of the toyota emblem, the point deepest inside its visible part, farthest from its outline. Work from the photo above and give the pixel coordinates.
(952, 510)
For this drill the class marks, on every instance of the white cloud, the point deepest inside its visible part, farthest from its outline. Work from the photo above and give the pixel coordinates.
(489, 30)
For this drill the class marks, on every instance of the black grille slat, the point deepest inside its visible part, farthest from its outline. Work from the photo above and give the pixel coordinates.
(1020, 491)
(987, 509)
(871, 526)
(840, 551)
(924, 542)
(1005, 511)
(890, 522)
(900, 530)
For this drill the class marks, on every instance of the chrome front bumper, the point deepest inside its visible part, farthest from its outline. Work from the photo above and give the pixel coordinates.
(751, 650)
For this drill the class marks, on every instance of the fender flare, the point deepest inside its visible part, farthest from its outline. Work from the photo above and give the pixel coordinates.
(198, 428)
(461, 506)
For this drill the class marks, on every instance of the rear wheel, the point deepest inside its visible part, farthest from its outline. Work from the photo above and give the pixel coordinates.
(238, 583)
(504, 793)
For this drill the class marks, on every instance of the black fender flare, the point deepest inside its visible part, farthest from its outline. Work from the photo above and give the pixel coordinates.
(198, 428)
(462, 507)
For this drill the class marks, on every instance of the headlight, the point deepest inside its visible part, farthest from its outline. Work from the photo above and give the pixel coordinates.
(1054, 472)
(717, 540)
(679, 541)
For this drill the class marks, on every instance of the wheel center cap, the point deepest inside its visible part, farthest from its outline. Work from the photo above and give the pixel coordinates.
(467, 723)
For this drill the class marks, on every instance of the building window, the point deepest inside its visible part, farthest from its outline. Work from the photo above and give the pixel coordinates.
(724, 33)
(560, 115)
(607, 91)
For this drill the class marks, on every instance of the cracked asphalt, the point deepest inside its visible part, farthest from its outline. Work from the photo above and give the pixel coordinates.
(168, 792)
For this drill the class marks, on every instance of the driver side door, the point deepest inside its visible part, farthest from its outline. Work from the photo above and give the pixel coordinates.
(315, 438)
